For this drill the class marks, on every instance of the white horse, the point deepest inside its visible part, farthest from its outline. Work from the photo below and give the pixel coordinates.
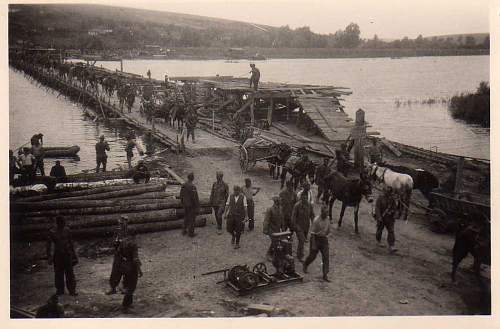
(401, 184)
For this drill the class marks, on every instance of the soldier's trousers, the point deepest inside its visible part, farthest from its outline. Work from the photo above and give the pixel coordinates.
(388, 223)
(319, 244)
(130, 278)
(116, 273)
(301, 238)
(189, 217)
(63, 269)
(219, 212)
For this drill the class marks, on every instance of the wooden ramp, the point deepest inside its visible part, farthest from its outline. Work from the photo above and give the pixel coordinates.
(325, 113)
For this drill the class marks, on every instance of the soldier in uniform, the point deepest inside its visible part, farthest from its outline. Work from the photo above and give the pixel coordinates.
(255, 77)
(218, 197)
(191, 203)
(385, 214)
(302, 215)
(322, 172)
(130, 268)
(273, 222)
(288, 198)
(116, 272)
(141, 172)
(319, 242)
(63, 258)
(236, 214)
(101, 157)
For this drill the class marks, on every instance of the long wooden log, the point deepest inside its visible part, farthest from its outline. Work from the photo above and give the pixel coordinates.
(139, 189)
(120, 206)
(63, 187)
(108, 231)
(45, 223)
(61, 195)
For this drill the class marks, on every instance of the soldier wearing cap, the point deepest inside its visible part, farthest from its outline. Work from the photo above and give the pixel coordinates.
(385, 214)
(218, 197)
(302, 216)
(191, 204)
(273, 222)
(101, 157)
(116, 273)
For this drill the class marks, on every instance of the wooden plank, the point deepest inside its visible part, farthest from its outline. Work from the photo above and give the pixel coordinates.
(391, 147)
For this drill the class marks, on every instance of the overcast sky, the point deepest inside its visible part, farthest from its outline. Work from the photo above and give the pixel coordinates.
(386, 18)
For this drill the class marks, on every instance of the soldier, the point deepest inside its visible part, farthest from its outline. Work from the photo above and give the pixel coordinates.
(322, 172)
(288, 198)
(249, 191)
(116, 272)
(191, 121)
(191, 203)
(319, 242)
(385, 211)
(141, 172)
(38, 153)
(58, 172)
(130, 269)
(218, 197)
(236, 214)
(63, 258)
(273, 222)
(255, 77)
(375, 152)
(101, 157)
(302, 215)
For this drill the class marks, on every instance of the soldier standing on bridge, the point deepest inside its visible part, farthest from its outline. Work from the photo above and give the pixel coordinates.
(255, 77)
(101, 157)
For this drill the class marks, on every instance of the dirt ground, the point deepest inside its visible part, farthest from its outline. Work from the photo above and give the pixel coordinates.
(366, 279)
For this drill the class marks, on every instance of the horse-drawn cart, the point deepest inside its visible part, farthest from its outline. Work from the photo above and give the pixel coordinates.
(254, 150)
(447, 209)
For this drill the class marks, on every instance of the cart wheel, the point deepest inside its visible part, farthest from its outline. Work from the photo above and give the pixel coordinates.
(249, 280)
(439, 220)
(243, 159)
(259, 268)
(236, 272)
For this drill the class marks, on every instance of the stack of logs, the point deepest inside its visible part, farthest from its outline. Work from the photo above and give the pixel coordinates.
(94, 211)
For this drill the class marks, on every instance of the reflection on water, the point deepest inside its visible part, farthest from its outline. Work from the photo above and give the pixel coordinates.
(376, 84)
(33, 110)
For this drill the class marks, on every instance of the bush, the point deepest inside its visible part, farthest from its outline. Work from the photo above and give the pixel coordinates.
(472, 107)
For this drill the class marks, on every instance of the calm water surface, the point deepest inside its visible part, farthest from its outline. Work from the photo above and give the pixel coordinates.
(376, 85)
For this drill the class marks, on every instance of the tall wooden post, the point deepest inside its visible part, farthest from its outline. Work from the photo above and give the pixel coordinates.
(459, 175)
(358, 133)
(287, 109)
(121, 64)
(252, 107)
(270, 113)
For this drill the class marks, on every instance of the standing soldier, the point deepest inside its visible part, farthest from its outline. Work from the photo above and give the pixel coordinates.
(288, 198)
(130, 268)
(27, 161)
(322, 171)
(236, 214)
(191, 203)
(302, 215)
(149, 74)
(116, 271)
(100, 153)
(63, 258)
(38, 153)
(191, 121)
(255, 77)
(273, 222)
(319, 242)
(375, 152)
(129, 149)
(249, 191)
(218, 197)
(385, 211)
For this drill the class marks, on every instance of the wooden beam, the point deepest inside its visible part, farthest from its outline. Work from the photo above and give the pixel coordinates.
(459, 175)
(270, 113)
(243, 108)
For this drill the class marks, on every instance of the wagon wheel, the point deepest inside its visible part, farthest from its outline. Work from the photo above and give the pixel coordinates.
(259, 268)
(249, 281)
(439, 220)
(243, 159)
(236, 272)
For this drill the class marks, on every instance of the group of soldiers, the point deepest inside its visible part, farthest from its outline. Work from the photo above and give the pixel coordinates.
(30, 161)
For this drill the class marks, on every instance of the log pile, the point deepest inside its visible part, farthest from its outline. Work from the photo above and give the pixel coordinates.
(95, 210)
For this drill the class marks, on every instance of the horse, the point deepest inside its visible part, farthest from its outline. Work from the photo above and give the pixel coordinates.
(299, 168)
(349, 192)
(423, 180)
(402, 184)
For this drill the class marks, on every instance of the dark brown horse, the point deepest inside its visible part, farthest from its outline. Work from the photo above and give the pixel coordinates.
(349, 192)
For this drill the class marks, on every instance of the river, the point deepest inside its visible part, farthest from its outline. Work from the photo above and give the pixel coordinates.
(377, 84)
